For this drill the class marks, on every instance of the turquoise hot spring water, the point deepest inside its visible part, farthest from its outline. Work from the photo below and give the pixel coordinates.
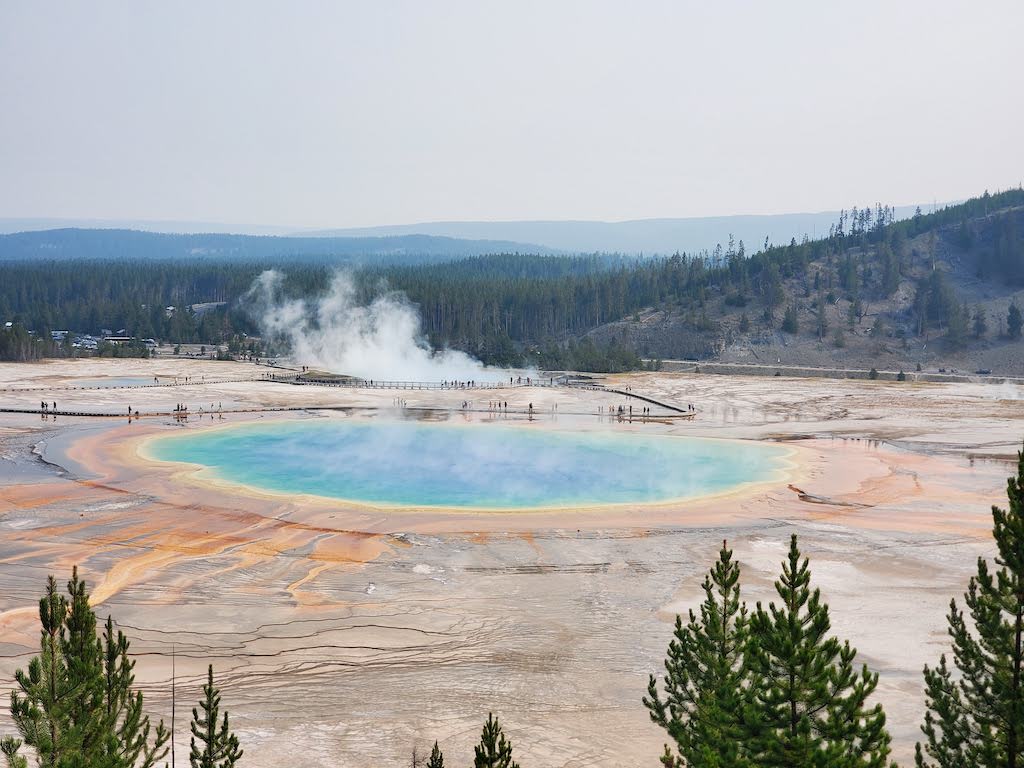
(409, 463)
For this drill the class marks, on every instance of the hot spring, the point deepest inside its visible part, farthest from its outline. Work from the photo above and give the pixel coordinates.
(404, 463)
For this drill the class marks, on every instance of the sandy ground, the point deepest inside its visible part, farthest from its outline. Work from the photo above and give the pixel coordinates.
(355, 634)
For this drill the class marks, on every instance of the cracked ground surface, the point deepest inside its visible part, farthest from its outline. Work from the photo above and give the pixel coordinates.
(348, 636)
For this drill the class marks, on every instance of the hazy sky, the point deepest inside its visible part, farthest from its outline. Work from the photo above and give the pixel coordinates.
(349, 114)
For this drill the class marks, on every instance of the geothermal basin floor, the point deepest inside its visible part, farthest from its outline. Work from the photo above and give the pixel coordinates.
(356, 633)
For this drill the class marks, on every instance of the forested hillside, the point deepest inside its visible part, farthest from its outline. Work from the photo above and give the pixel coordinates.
(944, 287)
(933, 287)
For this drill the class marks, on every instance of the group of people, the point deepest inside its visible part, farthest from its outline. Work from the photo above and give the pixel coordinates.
(623, 410)
(45, 406)
(493, 405)
(181, 411)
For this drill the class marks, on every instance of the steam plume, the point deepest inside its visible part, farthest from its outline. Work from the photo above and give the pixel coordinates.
(382, 341)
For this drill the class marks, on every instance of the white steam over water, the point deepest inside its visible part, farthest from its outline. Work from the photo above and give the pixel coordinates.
(383, 340)
(1008, 391)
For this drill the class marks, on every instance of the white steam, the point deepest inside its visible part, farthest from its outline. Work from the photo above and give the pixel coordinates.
(381, 341)
(1007, 391)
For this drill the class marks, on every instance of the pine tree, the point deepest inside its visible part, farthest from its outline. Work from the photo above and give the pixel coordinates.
(9, 747)
(76, 706)
(35, 708)
(821, 316)
(126, 726)
(855, 312)
(890, 271)
(790, 321)
(1014, 322)
(436, 758)
(956, 325)
(212, 746)
(980, 323)
(976, 718)
(706, 684)
(810, 703)
(494, 750)
(84, 706)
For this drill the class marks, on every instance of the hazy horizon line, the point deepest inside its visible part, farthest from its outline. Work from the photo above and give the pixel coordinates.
(107, 222)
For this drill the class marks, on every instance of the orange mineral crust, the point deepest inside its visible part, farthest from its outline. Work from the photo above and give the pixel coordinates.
(353, 622)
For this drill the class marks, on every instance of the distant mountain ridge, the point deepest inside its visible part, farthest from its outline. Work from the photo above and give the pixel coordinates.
(649, 236)
(10, 225)
(126, 243)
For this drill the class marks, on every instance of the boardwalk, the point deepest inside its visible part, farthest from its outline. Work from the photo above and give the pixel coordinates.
(550, 382)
